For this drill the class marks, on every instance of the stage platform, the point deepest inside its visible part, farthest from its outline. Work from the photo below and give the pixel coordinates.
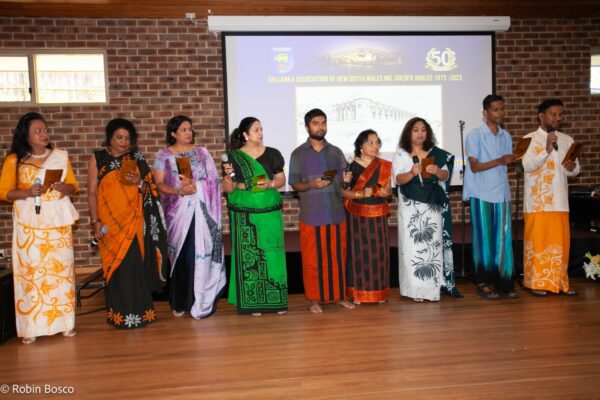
(470, 348)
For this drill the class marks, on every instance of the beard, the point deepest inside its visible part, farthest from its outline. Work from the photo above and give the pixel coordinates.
(315, 136)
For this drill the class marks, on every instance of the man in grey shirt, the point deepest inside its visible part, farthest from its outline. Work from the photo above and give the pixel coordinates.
(316, 173)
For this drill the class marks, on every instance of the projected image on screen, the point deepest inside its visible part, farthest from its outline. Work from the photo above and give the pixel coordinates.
(386, 109)
(361, 82)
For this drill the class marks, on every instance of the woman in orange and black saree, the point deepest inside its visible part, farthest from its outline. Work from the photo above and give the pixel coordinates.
(37, 178)
(129, 226)
(367, 210)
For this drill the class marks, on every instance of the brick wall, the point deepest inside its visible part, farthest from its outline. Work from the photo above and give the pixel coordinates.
(160, 68)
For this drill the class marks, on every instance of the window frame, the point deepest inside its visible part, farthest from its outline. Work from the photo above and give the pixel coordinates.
(31, 54)
(594, 51)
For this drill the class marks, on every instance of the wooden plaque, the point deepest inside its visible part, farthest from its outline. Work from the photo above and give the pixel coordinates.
(184, 167)
(127, 165)
(424, 164)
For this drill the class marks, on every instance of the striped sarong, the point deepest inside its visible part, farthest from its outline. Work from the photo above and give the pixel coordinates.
(323, 262)
(492, 244)
(368, 267)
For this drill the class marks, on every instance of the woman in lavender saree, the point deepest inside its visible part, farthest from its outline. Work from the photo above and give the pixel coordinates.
(187, 179)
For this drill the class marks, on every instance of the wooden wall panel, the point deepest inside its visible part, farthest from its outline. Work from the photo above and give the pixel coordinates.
(178, 8)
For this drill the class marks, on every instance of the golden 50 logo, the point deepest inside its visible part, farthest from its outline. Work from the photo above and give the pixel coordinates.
(441, 60)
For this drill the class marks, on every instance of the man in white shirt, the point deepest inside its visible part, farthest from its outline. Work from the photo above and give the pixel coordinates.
(546, 205)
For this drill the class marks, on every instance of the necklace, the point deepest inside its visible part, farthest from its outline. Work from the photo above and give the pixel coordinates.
(44, 155)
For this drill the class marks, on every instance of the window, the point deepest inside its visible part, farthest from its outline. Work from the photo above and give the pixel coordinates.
(14, 79)
(53, 77)
(595, 72)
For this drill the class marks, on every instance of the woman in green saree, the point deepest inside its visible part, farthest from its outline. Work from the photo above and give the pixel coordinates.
(258, 281)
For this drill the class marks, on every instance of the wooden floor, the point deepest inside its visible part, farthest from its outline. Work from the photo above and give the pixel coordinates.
(527, 348)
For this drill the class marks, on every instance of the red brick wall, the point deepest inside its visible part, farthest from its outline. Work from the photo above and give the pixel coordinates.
(159, 68)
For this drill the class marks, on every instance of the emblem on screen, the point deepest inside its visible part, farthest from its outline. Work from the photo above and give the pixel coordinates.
(441, 60)
(284, 59)
(365, 57)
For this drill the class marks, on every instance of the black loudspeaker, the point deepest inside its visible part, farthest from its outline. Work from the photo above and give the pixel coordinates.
(8, 328)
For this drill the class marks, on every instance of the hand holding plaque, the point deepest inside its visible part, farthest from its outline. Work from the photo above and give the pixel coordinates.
(572, 153)
(329, 175)
(521, 148)
(128, 166)
(257, 181)
(424, 164)
(51, 177)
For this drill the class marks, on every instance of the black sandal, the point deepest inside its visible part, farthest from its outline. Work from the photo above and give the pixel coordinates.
(539, 293)
(487, 292)
(570, 293)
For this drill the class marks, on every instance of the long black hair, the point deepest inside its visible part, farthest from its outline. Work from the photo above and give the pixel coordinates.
(406, 137)
(237, 136)
(174, 124)
(20, 143)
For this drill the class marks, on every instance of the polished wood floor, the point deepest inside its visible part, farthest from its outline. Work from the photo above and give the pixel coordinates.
(470, 348)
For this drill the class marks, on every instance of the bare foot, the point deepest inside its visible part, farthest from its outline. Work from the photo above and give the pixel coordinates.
(28, 340)
(178, 314)
(256, 314)
(281, 312)
(356, 302)
(347, 304)
(70, 333)
(315, 308)
(417, 300)
(382, 301)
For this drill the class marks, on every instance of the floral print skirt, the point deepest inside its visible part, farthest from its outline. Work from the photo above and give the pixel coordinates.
(420, 251)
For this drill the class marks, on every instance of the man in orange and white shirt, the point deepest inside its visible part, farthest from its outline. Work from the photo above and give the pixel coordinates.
(546, 205)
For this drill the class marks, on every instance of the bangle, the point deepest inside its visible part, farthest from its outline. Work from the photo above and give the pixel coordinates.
(357, 194)
(272, 184)
(141, 183)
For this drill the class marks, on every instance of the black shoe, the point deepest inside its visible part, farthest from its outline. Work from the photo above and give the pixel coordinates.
(452, 293)
(487, 292)
(570, 293)
(538, 293)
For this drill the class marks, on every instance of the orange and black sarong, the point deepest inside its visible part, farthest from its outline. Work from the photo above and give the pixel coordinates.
(323, 262)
